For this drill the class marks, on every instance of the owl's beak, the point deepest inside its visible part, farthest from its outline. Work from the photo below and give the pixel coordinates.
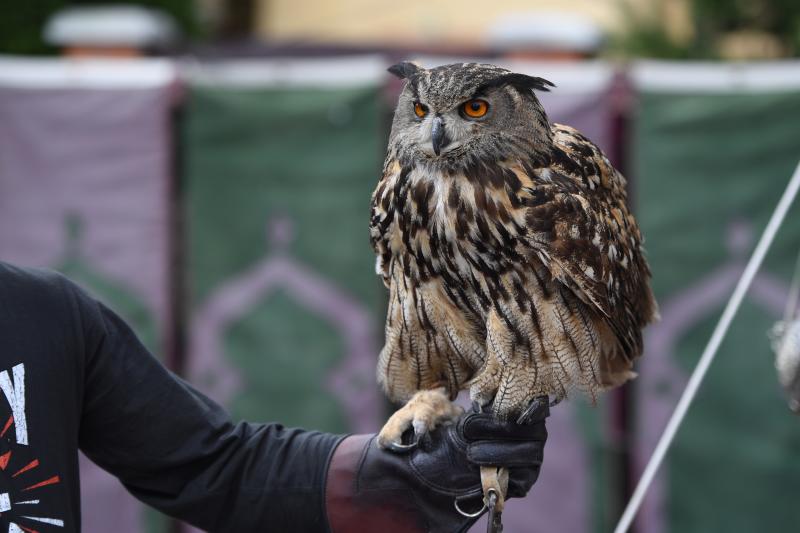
(438, 135)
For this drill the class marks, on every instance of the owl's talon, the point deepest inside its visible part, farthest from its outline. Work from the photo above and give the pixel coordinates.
(421, 414)
(402, 448)
(534, 406)
(408, 441)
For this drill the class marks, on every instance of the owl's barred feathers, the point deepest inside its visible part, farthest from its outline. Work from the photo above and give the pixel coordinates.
(513, 264)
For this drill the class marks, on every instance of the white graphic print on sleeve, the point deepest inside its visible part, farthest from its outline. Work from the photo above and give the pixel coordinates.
(15, 394)
(21, 477)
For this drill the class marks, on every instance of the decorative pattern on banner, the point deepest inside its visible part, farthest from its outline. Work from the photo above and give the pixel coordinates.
(280, 165)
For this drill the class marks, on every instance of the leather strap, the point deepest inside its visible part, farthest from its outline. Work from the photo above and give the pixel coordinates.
(495, 478)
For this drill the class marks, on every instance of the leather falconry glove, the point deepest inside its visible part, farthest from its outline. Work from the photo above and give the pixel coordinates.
(436, 485)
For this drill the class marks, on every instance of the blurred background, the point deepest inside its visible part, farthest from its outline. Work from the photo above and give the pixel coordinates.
(205, 167)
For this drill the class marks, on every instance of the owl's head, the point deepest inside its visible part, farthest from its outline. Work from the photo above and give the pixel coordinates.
(464, 112)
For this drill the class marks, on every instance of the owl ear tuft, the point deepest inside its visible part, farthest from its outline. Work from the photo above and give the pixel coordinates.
(521, 82)
(405, 70)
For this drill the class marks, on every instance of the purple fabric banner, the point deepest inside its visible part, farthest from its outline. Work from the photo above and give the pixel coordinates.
(84, 188)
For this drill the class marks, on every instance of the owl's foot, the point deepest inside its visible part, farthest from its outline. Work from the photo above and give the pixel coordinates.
(423, 412)
(510, 389)
(484, 385)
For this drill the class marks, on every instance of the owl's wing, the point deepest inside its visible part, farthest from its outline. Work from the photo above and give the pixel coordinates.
(579, 226)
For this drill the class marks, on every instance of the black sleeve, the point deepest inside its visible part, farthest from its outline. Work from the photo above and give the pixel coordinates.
(177, 450)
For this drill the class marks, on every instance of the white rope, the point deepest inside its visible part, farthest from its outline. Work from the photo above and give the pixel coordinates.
(710, 351)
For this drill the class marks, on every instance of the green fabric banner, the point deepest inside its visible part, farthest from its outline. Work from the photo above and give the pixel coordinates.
(284, 300)
(710, 165)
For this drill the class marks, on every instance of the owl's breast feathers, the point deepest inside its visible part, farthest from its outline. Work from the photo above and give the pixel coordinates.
(560, 217)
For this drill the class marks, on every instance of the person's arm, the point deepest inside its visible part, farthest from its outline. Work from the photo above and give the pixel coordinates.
(178, 451)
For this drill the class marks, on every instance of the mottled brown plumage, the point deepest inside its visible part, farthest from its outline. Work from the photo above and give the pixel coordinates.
(513, 264)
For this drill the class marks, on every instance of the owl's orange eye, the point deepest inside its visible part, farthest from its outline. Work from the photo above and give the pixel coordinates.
(420, 110)
(475, 108)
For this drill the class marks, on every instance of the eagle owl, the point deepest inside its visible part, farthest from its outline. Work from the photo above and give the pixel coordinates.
(513, 265)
